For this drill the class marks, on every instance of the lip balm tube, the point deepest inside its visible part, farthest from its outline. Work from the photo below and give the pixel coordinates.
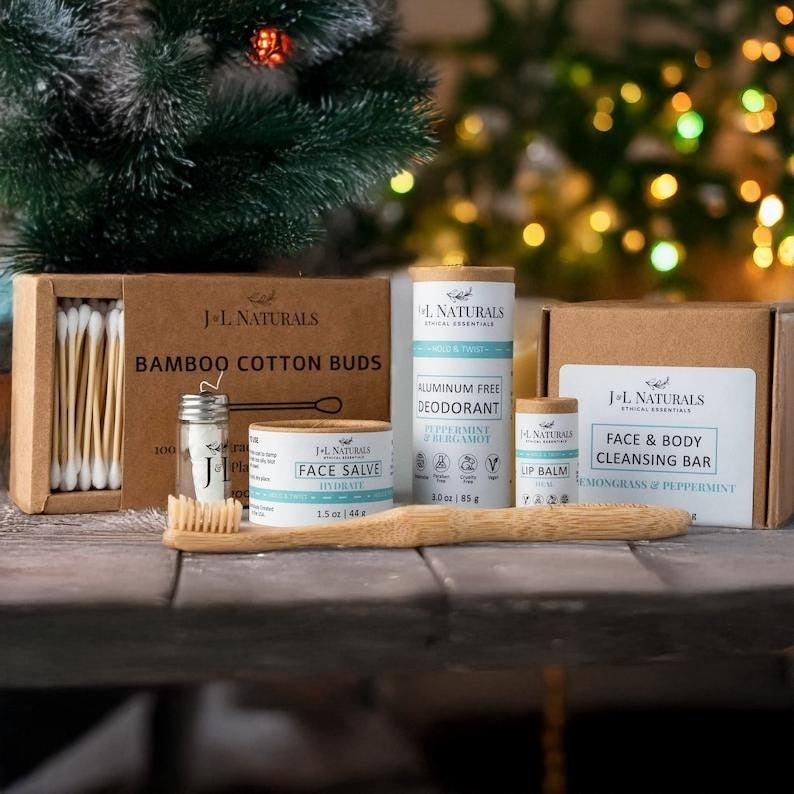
(463, 376)
(547, 451)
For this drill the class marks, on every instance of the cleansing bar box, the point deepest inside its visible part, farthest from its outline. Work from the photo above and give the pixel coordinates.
(688, 405)
(283, 348)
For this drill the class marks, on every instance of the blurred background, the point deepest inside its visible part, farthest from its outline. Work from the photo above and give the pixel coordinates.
(606, 148)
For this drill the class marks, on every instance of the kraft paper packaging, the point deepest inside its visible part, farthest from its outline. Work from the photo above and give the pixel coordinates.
(287, 348)
(688, 404)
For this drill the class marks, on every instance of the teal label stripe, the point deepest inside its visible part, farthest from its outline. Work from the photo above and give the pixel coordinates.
(426, 349)
(547, 454)
(322, 497)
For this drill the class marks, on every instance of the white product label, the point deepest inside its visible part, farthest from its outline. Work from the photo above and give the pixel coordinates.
(208, 449)
(676, 436)
(299, 479)
(547, 459)
(463, 383)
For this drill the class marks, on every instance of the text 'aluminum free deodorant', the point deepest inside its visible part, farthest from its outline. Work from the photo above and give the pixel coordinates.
(463, 377)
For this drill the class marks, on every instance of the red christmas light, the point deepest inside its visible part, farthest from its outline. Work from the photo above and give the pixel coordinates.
(272, 47)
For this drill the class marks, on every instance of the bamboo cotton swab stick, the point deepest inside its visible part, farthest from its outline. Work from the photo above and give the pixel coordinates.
(115, 474)
(68, 468)
(55, 466)
(94, 334)
(83, 316)
(110, 412)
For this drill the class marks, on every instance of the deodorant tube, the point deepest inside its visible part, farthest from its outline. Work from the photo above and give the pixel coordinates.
(463, 384)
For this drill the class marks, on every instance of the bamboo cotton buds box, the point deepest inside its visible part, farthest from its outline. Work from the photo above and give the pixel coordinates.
(463, 373)
(687, 405)
(319, 471)
(286, 348)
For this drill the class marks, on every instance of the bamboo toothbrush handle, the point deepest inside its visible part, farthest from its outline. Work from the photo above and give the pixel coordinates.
(417, 525)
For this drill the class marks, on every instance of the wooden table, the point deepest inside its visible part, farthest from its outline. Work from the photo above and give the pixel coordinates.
(97, 599)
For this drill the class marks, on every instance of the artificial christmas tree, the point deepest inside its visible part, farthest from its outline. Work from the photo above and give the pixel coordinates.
(196, 134)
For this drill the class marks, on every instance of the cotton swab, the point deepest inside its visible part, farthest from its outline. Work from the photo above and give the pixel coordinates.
(55, 466)
(99, 471)
(61, 325)
(109, 414)
(115, 474)
(69, 471)
(94, 337)
(83, 316)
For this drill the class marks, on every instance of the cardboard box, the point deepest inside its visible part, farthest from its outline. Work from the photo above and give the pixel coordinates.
(277, 340)
(689, 404)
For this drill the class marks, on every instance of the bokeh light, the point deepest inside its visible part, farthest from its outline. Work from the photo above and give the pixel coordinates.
(681, 101)
(633, 241)
(534, 234)
(631, 93)
(770, 210)
(753, 100)
(402, 182)
(785, 251)
(763, 257)
(750, 190)
(664, 256)
(665, 186)
(690, 125)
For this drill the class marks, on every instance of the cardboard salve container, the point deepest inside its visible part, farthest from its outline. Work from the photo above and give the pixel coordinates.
(690, 405)
(288, 348)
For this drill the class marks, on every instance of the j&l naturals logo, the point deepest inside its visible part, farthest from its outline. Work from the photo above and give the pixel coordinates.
(462, 305)
(459, 295)
(544, 433)
(343, 448)
(259, 309)
(658, 396)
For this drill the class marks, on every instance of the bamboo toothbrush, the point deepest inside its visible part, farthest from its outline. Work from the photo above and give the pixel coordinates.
(94, 334)
(420, 525)
(115, 473)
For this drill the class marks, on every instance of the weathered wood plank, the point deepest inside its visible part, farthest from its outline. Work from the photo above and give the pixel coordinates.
(318, 609)
(722, 560)
(83, 599)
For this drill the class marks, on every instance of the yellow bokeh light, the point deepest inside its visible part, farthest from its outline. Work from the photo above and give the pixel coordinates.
(465, 211)
(681, 102)
(600, 220)
(763, 257)
(602, 121)
(631, 93)
(784, 15)
(771, 51)
(605, 104)
(702, 59)
(672, 74)
(534, 234)
(454, 257)
(766, 119)
(591, 242)
(770, 210)
(790, 164)
(750, 190)
(665, 186)
(633, 241)
(762, 236)
(753, 122)
(788, 43)
(752, 49)
(402, 182)
(470, 126)
(785, 251)
(770, 103)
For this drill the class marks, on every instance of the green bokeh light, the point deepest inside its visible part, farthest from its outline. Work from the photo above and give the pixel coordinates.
(690, 125)
(664, 256)
(753, 100)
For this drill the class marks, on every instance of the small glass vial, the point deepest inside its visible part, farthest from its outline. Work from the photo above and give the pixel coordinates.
(203, 463)
(547, 451)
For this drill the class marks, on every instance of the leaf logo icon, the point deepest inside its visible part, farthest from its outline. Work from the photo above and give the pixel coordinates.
(657, 384)
(459, 295)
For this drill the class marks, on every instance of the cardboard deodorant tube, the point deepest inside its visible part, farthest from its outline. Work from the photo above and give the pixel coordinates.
(463, 374)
